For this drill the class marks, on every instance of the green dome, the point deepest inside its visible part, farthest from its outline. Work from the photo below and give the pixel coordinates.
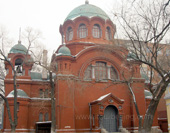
(18, 48)
(131, 56)
(20, 93)
(64, 51)
(87, 10)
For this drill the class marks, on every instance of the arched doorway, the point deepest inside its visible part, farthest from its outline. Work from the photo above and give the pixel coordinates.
(110, 119)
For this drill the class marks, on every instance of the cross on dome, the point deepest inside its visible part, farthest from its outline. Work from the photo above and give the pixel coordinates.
(19, 41)
(64, 43)
(86, 2)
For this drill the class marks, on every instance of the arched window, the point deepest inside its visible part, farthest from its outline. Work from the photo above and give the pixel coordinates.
(88, 73)
(41, 93)
(108, 33)
(96, 31)
(69, 34)
(18, 66)
(40, 116)
(113, 73)
(46, 117)
(46, 93)
(17, 106)
(82, 31)
(100, 70)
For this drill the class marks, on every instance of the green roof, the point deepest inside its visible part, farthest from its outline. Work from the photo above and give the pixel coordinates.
(36, 75)
(18, 48)
(20, 93)
(64, 51)
(87, 10)
(148, 94)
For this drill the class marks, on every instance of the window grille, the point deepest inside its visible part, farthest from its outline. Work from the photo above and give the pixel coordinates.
(40, 116)
(108, 33)
(96, 31)
(46, 117)
(88, 73)
(82, 31)
(69, 34)
(100, 71)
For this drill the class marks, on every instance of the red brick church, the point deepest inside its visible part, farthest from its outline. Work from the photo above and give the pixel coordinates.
(89, 73)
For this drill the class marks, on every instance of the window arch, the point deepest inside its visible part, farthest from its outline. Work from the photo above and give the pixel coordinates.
(82, 31)
(19, 67)
(108, 33)
(41, 93)
(40, 116)
(96, 31)
(18, 61)
(100, 71)
(88, 73)
(113, 73)
(69, 34)
(46, 117)
(44, 93)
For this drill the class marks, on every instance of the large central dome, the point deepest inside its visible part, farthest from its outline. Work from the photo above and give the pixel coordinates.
(87, 10)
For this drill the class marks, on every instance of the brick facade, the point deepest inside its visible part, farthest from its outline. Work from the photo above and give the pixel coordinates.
(87, 83)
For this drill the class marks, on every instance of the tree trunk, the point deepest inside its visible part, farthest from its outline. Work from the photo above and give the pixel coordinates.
(13, 128)
(9, 113)
(53, 116)
(15, 103)
(149, 116)
(136, 106)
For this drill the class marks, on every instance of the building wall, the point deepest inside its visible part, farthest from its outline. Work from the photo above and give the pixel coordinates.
(74, 95)
(29, 108)
(167, 98)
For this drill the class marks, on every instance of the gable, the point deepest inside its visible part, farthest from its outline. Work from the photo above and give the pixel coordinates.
(110, 98)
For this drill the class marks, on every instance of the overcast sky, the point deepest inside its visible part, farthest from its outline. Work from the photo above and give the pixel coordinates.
(45, 15)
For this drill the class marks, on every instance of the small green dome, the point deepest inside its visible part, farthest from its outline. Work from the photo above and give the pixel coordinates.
(64, 51)
(20, 93)
(87, 10)
(131, 56)
(18, 48)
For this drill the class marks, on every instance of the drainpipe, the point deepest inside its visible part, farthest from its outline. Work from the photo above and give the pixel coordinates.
(90, 117)
(44, 71)
(58, 107)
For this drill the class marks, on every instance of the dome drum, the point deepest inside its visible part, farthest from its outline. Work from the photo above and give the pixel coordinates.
(90, 16)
